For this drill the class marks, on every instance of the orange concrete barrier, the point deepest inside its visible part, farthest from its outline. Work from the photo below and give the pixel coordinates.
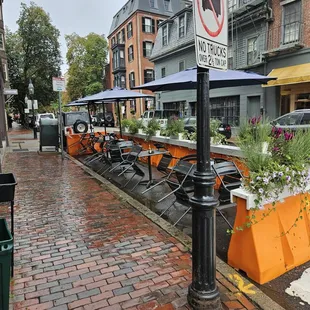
(74, 147)
(261, 250)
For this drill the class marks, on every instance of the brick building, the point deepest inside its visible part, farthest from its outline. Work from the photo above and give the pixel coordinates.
(131, 38)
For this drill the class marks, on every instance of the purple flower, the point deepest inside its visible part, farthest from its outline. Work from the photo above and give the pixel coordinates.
(288, 178)
(266, 180)
(280, 174)
(261, 191)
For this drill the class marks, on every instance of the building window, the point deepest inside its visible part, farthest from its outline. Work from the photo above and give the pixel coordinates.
(132, 82)
(181, 26)
(119, 38)
(147, 49)
(130, 53)
(167, 5)
(148, 75)
(122, 58)
(1, 41)
(5, 71)
(123, 35)
(133, 108)
(113, 41)
(123, 81)
(165, 35)
(226, 109)
(148, 25)
(163, 72)
(153, 4)
(181, 65)
(232, 5)
(291, 22)
(252, 51)
(129, 30)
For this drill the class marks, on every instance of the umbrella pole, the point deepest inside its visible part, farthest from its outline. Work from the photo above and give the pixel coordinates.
(119, 119)
(90, 121)
(104, 114)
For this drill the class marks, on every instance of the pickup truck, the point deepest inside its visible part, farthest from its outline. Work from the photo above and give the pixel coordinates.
(158, 114)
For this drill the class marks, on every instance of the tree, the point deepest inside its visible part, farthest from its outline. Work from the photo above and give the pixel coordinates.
(33, 52)
(86, 57)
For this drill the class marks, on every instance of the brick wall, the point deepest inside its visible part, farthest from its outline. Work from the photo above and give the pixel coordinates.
(275, 27)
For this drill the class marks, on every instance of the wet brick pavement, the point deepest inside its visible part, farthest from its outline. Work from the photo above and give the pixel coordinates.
(78, 247)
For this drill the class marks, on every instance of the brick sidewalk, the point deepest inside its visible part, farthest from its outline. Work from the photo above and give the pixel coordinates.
(78, 247)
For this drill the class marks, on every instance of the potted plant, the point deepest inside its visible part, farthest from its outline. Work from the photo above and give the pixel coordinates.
(152, 128)
(215, 136)
(126, 124)
(273, 203)
(174, 127)
(133, 126)
(140, 126)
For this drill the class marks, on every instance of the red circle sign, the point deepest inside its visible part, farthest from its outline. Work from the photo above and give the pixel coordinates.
(219, 23)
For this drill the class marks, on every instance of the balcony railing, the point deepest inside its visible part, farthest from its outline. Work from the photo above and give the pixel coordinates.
(285, 37)
(119, 65)
(234, 5)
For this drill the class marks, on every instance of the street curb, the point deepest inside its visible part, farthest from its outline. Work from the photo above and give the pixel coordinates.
(255, 295)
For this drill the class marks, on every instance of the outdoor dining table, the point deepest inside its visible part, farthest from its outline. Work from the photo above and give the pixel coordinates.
(149, 154)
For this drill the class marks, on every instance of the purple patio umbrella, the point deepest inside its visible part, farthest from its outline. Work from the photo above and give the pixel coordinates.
(116, 94)
(187, 79)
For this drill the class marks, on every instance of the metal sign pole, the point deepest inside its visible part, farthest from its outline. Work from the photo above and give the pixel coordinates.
(60, 127)
(203, 292)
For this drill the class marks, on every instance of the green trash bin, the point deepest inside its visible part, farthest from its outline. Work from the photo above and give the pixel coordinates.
(6, 248)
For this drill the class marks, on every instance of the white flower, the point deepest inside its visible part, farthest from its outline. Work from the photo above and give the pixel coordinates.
(261, 190)
(266, 180)
(258, 178)
(280, 174)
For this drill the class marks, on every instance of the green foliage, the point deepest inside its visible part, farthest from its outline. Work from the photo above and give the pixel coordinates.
(33, 52)
(86, 57)
(174, 127)
(284, 166)
(152, 126)
(126, 123)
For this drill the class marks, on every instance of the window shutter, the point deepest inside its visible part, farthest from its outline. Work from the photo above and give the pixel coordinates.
(133, 80)
(153, 25)
(143, 24)
(133, 55)
(144, 49)
(145, 80)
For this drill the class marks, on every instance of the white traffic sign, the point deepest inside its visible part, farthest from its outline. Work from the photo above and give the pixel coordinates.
(59, 84)
(211, 33)
(9, 91)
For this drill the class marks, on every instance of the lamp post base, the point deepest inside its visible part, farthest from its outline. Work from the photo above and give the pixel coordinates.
(202, 300)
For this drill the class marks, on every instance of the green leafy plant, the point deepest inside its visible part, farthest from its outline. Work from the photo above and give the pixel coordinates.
(284, 167)
(151, 128)
(126, 123)
(174, 127)
(134, 126)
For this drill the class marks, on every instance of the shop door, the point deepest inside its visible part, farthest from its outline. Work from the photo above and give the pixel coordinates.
(253, 108)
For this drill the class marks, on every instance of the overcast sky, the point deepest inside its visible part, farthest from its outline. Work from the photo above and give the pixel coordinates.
(80, 16)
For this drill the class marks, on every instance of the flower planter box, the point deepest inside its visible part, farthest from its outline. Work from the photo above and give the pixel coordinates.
(7, 187)
(261, 250)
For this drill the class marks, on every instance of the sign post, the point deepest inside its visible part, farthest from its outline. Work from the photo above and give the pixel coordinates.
(60, 86)
(210, 19)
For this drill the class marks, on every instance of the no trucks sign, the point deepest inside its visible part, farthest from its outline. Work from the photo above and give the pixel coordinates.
(211, 33)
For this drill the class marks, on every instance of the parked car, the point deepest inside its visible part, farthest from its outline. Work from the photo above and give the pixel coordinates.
(38, 117)
(107, 119)
(298, 119)
(76, 122)
(190, 125)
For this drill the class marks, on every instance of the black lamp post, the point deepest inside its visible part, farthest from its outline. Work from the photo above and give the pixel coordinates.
(31, 92)
(203, 292)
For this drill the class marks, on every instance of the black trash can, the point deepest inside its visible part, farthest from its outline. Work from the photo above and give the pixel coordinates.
(7, 187)
(49, 135)
(6, 248)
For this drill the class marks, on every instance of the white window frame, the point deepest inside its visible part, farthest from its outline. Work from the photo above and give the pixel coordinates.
(165, 27)
(254, 47)
(150, 43)
(148, 28)
(181, 61)
(184, 26)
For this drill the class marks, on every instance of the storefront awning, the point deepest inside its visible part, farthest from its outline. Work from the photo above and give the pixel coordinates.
(290, 75)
